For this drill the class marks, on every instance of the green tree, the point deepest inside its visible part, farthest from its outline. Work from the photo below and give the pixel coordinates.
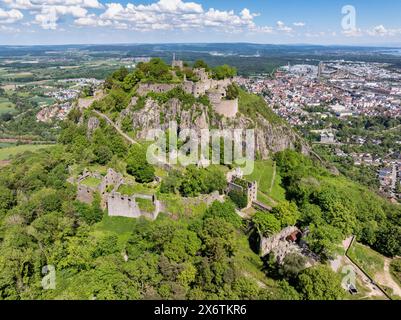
(240, 198)
(338, 208)
(103, 154)
(132, 79)
(266, 223)
(120, 74)
(201, 64)
(320, 283)
(224, 210)
(218, 237)
(232, 92)
(156, 70)
(138, 166)
(6, 198)
(192, 184)
(389, 240)
(246, 288)
(224, 71)
(293, 264)
(323, 239)
(171, 183)
(87, 91)
(183, 245)
(213, 179)
(89, 213)
(287, 213)
(311, 213)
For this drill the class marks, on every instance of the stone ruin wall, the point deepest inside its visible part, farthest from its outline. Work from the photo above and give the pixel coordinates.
(116, 203)
(119, 205)
(85, 194)
(195, 88)
(251, 190)
(234, 187)
(112, 178)
(227, 108)
(267, 245)
(215, 90)
(145, 88)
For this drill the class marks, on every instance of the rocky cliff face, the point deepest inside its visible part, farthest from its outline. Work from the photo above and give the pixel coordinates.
(270, 137)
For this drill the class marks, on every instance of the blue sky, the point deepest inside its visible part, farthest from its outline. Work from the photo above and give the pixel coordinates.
(364, 22)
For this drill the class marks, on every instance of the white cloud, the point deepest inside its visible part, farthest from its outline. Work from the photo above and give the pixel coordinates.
(265, 29)
(169, 15)
(382, 31)
(378, 31)
(355, 32)
(48, 12)
(7, 29)
(158, 15)
(38, 4)
(49, 15)
(10, 16)
(282, 27)
(299, 24)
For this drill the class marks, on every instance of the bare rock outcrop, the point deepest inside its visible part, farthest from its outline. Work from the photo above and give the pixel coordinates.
(269, 137)
(93, 124)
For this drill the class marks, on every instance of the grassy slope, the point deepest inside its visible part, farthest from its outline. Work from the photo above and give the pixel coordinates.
(145, 204)
(252, 106)
(371, 261)
(130, 189)
(263, 173)
(91, 182)
(6, 153)
(6, 106)
(395, 269)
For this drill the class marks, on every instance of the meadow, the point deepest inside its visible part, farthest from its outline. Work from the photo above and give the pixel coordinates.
(6, 106)
(269, 182)
(7, 152)
(369, 260)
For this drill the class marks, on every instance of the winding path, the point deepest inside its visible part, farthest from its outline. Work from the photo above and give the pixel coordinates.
(380, 279)
(375, 290)
(387, 280)
(273, 177)
(109, 121)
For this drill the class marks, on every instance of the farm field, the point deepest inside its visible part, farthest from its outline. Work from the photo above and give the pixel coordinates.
(6, 106)
(6, 153)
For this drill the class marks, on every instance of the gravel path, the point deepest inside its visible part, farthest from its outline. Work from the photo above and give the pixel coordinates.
(385, 278)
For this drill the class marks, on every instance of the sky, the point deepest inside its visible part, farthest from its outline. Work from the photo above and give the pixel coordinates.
(327, 22)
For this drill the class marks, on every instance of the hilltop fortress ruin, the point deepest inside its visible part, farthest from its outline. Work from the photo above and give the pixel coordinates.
(117, 204)
(215, 90)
